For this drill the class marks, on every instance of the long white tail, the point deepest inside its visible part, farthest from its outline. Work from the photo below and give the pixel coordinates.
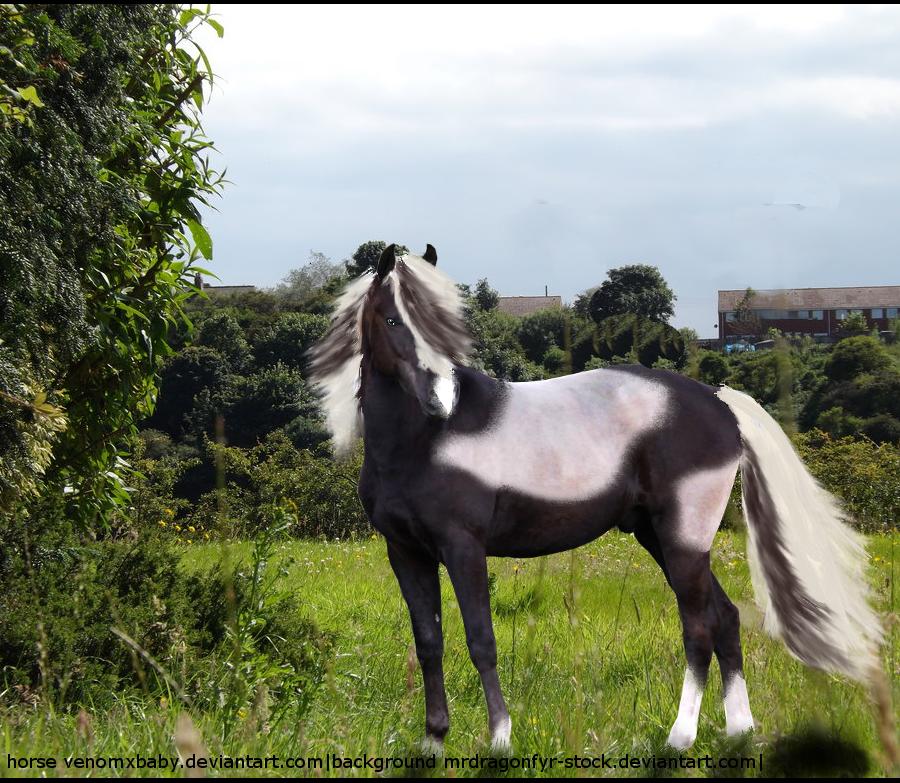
(806, 563)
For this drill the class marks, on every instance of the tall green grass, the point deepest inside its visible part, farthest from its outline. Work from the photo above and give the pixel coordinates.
(590, 659)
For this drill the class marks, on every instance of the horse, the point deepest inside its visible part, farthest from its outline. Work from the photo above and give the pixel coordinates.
(459, 466)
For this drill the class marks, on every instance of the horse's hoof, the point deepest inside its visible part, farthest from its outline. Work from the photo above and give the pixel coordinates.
(432, 745)
(739, 728)
(681, 738)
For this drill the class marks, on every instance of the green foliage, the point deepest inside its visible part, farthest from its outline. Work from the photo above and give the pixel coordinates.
(540, 331)
(638, 289)
(640, 340)
(80, 624)
(486, 298)
(497, 350)
(713, 368)
(289, 338)
(864, 475)
(221, 332)
(99, 232)
(854, 356)
(366, 256)
(185, 377)
(853, 325)
(259, 482)
(257, 404)
(301, 285)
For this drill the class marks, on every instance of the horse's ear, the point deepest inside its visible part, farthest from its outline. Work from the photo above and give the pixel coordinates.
(430, 255)
(387, 261)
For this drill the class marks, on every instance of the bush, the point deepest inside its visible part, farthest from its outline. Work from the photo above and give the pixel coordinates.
(864, 475)
(854, 356)
(59, 608)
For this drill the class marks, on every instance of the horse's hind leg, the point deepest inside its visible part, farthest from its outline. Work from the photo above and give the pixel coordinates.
(738, 718)
(725, 628)
(691, 579)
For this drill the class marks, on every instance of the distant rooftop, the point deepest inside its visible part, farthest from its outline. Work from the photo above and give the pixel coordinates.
(221, 290)
(526, 305)
(815, 298)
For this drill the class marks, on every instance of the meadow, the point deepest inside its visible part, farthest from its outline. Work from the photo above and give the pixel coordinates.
(589, 656)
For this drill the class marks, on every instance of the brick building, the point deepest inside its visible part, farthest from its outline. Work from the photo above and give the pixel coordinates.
(526, 305)
(814, 311)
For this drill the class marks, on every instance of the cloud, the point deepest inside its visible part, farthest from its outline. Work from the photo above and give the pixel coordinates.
(545, 145)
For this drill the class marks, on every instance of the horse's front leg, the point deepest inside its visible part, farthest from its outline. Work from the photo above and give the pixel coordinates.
(420, 584)
(466, 563)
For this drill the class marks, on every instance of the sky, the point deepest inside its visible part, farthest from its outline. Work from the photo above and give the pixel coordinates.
(542, 146)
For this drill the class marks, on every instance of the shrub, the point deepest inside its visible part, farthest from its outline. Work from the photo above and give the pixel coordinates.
(864, 475)
(60, 605)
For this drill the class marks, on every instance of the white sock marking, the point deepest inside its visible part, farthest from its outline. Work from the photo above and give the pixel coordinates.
(738, 718)
(684, 730)
(500, 738)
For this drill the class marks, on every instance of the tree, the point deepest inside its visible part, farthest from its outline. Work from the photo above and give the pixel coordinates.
(582, 303)
(486, 298)
(289, 338)
(854, 356)
(366, 256)
(221, 332)
(713, 369)
(746, 321)
(268, 400)
(540, 331)
(639, 289)
(100, 182)
(300, 284)
(853, 325)
(184, 377)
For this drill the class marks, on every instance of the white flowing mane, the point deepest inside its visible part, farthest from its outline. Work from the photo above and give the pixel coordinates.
(429, 304)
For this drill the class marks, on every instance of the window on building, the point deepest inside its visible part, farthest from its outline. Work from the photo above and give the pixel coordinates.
(731, 317)
(877, 312)
(817, 315)
(841, 314)
(892, 312)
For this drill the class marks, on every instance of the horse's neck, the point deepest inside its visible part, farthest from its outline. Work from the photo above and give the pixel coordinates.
(394, 422)
(392, 419)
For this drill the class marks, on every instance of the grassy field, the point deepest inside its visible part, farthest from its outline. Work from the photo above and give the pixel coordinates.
(589, 655)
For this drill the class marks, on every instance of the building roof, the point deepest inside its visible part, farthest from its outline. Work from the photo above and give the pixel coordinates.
(815, 298)
(526, 305)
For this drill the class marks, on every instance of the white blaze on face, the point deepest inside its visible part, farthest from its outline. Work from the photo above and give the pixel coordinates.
(562, 439)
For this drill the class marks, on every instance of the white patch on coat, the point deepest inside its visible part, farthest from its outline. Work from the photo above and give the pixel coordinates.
(684, 730)
(737, 707)
(702, 497)
(828, 557)
(562, 439)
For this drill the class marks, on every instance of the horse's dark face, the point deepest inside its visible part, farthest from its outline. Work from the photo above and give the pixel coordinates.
(389, 345)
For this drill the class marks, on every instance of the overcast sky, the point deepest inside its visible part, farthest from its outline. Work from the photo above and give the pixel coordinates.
(542, 146)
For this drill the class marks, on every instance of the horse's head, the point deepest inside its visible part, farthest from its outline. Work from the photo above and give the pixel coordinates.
(402, 321)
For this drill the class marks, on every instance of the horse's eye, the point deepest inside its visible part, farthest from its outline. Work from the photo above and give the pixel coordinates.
(392, 322)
